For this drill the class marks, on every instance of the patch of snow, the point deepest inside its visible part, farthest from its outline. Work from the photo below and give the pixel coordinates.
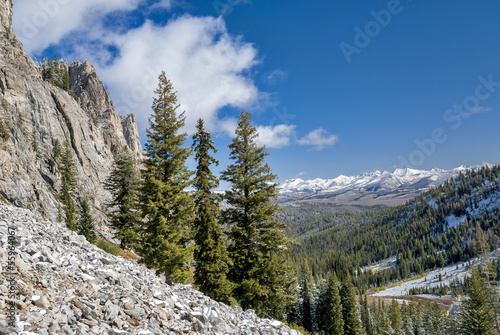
(431, 280)
(453, 221)
(376, 181)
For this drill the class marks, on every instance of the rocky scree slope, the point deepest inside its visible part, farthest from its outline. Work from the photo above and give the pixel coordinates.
(34, 113)
(69, 286)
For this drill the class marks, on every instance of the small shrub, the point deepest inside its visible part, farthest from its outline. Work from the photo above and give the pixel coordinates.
(4, 131)
(20, 125)
(73, 94)
(108, 246)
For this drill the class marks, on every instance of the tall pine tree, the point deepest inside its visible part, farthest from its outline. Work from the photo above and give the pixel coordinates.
(350, 311)
(167, 207)
(306, 307)
(68, 185)
(86, 222)
(395, 316)
(258, 241)
(334, 322)
(124, 184)
(478, 316)
(210, 253)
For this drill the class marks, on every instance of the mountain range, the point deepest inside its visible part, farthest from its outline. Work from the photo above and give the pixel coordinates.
(373, 188)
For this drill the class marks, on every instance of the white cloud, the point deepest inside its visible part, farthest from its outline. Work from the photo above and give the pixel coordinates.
(205, 64)
(319, 139)
(275, 137)
(39, 24)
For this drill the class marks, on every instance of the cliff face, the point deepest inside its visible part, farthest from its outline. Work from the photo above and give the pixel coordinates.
(35, 113)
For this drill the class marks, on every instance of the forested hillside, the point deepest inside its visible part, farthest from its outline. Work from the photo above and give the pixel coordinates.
(453, 222)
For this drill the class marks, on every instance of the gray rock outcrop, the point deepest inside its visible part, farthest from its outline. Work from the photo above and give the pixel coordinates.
(34, 113)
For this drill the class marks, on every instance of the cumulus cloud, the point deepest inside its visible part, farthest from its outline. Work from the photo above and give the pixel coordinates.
(275, 137)
(39, 24)
(208, 67)
(205, 64)
(319, 139)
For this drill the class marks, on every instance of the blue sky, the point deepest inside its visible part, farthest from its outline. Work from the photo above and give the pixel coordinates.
(334, 87)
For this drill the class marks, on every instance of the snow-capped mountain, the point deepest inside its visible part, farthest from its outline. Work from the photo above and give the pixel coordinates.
(369, 188)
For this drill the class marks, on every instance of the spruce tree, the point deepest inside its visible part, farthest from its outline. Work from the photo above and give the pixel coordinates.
(384, 324)
(68, 184)
(350, 311)
(395, 316)
(166, 206)
(124, 184)
(416, 312)
(407, 326)
(258, 241)
(366, 317)
(56, 150)
(478, 316)
(86, 222)
(306, 307)
(334, 322)
(210, 253)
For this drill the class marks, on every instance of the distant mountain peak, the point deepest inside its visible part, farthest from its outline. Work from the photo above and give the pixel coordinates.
(370, 187)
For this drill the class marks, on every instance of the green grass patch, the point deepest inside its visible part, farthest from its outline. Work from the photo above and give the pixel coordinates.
(108, 246)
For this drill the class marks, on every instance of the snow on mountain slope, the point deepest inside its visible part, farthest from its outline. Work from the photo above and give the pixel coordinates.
(374, 187)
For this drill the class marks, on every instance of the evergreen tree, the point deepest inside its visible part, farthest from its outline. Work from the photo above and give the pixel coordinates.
(395, 317)
(436, 324)
(258, 241)
(124, 184)
(384, 324)
(69, 211)
(407, 327)
(477, 316)
(167, 207)
(56, 150)
(68, 184)
(306, 307)
(334, 322)
(55, 72)
(366, 317)
(417, 318)
(350, 311)
(86, 222)
(210, 254)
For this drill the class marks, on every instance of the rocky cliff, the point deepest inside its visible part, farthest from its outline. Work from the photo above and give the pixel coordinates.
(34, 113)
